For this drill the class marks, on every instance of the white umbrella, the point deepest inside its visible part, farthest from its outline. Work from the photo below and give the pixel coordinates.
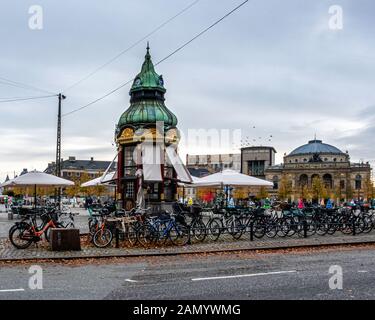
(36, 178)
(103, 180)
(230, 178)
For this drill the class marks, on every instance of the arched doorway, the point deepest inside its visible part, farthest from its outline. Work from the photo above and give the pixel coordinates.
(328, 181)
(358, 182)
(275, 180)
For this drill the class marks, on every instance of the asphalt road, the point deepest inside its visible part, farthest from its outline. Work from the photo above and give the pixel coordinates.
(230, 276)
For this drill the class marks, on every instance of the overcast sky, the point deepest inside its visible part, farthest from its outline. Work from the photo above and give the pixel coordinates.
(273, 65)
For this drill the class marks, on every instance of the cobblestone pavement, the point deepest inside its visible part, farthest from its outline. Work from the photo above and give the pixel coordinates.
(42, 251)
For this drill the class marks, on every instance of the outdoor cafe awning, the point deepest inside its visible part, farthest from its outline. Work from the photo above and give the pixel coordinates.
(102, 180)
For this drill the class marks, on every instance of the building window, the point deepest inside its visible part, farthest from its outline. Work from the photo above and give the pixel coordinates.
(303, 180)
(256, 168)
(328, 181)
(129, 161)
(129, 193)
(358, 182)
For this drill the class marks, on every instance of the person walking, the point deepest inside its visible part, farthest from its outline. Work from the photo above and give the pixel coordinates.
(88, 205)
(6, 203)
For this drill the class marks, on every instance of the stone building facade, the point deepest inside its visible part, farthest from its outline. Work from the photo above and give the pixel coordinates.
(214, 162)
(317, 159)
(255, 160)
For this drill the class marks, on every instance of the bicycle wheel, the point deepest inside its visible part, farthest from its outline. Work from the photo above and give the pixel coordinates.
(21, 236)
(214, 227)
(368, 224)
(259, 229)
(271, 230)
(198, 230)
(179, 234)
(147, 235)
(131, 235)
(235, 228)
(102, 238)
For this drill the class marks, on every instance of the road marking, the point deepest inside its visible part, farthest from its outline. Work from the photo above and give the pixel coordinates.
(130, 280)
(362, 271)
(245, 275)
(12, 290)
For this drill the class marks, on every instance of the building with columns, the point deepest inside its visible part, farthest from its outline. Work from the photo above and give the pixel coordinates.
(324, 161)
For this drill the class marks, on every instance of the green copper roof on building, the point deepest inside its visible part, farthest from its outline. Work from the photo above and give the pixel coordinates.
(147, 100)
(145, 112)
(148, 78)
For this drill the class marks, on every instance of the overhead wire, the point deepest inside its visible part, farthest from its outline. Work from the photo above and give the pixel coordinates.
(131, 46)
(159, 62)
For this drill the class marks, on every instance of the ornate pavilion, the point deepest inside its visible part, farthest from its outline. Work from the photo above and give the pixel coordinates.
(147, 140)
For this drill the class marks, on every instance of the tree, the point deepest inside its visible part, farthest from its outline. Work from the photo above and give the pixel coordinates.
(240, 193)
(319, 190)
(74, 190)
(285, 189)
(369, 188)
(337, 194)
(305, 192)
(263, 193)
(349, 192)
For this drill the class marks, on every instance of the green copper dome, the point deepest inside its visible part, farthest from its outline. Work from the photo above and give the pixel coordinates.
(147, 100)
(147, 111)
(148, 78)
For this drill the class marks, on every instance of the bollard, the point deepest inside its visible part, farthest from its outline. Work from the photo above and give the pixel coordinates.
(305, 229)
(117, 238)
(252, 231)
(189, 240)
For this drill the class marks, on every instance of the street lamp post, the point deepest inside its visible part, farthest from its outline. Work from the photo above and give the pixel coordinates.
(58, 147)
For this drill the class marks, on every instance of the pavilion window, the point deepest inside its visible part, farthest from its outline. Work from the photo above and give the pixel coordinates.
(130, 165)
(129, 193)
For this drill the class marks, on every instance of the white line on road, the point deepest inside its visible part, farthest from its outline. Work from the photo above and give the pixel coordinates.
(12, 290)
(245, 275)
(130, 280)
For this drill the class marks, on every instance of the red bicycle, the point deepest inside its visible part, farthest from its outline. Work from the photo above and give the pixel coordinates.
(24, 233)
